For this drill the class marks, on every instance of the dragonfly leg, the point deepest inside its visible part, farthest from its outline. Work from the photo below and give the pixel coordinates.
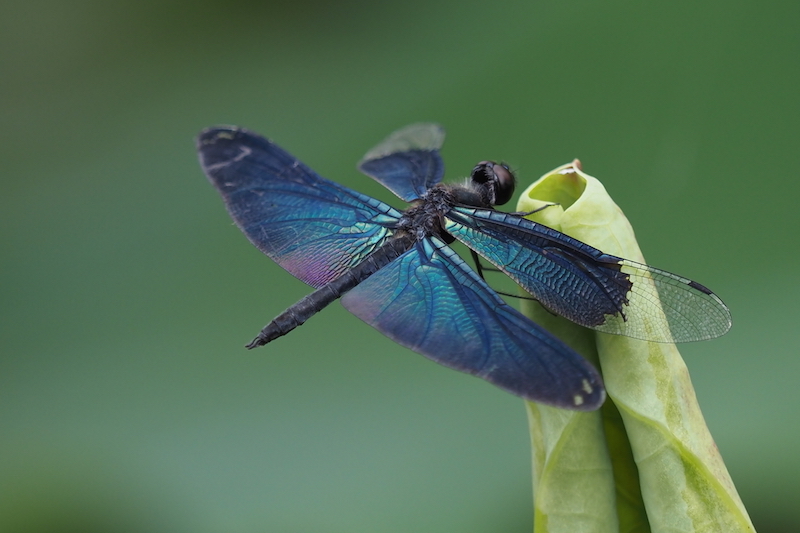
(526, 213)
(479, 269)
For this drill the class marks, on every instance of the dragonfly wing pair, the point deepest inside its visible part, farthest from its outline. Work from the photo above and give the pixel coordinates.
(314, 228)
(429, 300)
(589, 287)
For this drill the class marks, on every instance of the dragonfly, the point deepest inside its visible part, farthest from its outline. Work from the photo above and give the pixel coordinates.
(396, 271)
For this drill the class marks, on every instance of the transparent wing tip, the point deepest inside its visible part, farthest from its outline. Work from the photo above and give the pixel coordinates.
(419, 136)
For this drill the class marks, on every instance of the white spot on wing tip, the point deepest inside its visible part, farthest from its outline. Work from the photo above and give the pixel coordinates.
(587, 387)
(577, 400)
(244, 151)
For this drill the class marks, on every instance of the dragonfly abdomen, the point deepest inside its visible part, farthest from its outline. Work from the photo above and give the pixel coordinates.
(297, 314)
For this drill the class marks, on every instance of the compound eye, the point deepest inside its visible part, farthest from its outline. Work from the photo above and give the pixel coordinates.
(504, 184)
(482, 173)
(496, 180)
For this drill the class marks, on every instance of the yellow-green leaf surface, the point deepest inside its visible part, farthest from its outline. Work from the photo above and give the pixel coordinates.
(646, 461)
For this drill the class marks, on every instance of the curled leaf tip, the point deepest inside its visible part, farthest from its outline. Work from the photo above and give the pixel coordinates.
(658, 457)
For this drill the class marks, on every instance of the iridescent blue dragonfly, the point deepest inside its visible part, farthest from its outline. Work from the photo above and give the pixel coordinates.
(395, 271)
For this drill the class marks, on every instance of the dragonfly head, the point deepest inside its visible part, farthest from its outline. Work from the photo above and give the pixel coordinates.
(495, 180)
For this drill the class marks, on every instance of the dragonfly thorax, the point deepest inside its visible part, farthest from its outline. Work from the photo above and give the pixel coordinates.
(425, 217)
(490, 184)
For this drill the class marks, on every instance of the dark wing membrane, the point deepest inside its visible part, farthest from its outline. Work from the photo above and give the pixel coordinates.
(593, 289)
(312, 227)
(408, 161)
(429, 300)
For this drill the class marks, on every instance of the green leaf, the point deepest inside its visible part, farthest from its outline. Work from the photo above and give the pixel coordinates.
(646, 461)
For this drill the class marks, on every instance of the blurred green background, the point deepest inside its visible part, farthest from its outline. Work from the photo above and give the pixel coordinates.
(127, 400)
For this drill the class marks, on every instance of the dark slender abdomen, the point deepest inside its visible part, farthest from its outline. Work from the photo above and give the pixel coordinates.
(297, 314)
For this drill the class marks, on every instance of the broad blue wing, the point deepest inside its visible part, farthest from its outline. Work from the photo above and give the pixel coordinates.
(429, 300)
(593, 289)
(408, 161)
(312, 227)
